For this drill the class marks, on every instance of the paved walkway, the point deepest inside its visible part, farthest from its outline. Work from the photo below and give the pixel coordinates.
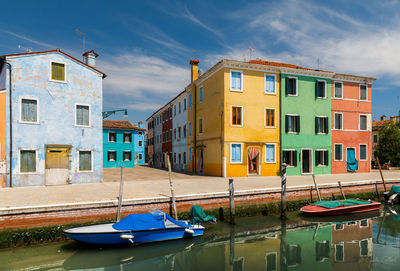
(144, 182)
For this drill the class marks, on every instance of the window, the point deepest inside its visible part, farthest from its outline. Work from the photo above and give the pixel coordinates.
(271, 261)
(270, 153)
(270, 84)
(140, 134)
(269, 117)
(179, 158)
(112, 137)
(200, 126)
(127, 137)
(58, 71)
(140, 142)
(320, 89)
(179, 132)
(363, 152)
(170, 134)
(190, 100)
(174, 110)
(27, 160)
(363, 122)
(184, 104)
(175, 133)
(290, 158)
(292, 124)
(236, 115)
(339, 226)
(190, 129)
(363, 92)
(140, 156)
(291, 86)
(174, 157)
(236, 153)
(184, 130)
(338, 152)
(375, 138)
(364, 247)
(364, 223)
(29, 110)
(82, 115)
(339, 252)
(127, 156)
(111, 156)
(85, 160)
(190, 154)
(338, 90)
(338, 121)
(321, 125)
(180, 107)
(184, 157)
(166, 136)
(321, 158)
(236, 81)
(200, 94)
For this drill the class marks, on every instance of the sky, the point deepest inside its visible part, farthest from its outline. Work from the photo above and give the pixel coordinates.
(144, 47)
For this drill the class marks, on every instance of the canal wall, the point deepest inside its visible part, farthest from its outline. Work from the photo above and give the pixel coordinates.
(62, 214)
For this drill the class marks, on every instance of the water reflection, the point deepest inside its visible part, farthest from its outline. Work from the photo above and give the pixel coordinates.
(263, 243)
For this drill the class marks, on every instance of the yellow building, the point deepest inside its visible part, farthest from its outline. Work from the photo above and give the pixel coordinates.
(233, 119)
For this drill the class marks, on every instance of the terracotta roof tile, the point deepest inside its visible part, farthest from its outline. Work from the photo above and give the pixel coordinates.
(120, 124)
(279, 64)
(379, 123)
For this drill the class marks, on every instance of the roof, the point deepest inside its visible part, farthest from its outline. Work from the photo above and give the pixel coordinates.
(170, 102)
(120, 125)
(279, 64)
(57, 51)
(90, 52)
(376, 124)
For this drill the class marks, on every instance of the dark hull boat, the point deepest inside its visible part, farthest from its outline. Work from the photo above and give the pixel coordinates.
(340, 207)
(136, 229)
(393, 196)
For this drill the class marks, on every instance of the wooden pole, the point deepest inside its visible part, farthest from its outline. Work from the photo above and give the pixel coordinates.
(171, 185)
(283, 190)
(121, 188)
(341, 190)
(316, 187)
(380, 171)
(231, 201)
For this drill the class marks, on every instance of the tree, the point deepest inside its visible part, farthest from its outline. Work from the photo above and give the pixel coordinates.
(388, 149)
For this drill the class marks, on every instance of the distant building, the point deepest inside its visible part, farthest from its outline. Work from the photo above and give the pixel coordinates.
(123, 144)
(179, 132)
(377, 125)
(55, 133)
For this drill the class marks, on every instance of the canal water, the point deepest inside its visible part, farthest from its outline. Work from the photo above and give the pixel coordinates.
(364, 242)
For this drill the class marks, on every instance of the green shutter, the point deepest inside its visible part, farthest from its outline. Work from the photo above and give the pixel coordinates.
(326, 158)
(295, 159)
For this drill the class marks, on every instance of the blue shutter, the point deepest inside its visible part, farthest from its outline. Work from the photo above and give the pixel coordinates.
(29, 110)
(190, 100)
(201, 94)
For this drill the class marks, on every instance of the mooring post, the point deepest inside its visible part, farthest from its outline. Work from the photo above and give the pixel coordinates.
(341, 190)
(316, 187)
(231, 201)
(380, 171)
(283, 191)
(121, 188)
(311, 189)
(283, 252)
(171, 185)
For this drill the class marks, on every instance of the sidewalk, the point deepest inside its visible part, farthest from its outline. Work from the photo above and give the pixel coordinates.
(148, 183)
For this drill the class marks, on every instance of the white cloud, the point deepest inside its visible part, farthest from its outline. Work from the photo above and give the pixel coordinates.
(44, 45)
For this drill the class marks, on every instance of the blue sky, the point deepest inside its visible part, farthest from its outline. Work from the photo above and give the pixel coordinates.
(145, 46)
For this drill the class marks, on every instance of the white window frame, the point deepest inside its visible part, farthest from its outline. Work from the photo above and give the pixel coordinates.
(90, 115)
(325, 92)
(140, 154)
(334, 121)
(77, 153)
(275, 84)
(334, 151)
(51, 71)
(241, 153)
(366, 152)
(359, 243)
(276, 259)
(265, 150)
(109, 136)
(201, 90)
(297, 86)
(107, 156)
(123, 159)
(359, 92)
(361, 226)
(292, 115)
(265, 118)
(334, 89)
(242, 117)
(323, 117)
(37, 110)
(241, 81)
(339, 244)
(287, 165)
(123, 141)
(37, 160)
(327, 154)
(359, 122)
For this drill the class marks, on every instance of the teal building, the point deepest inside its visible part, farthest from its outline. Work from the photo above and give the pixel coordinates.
(123, 144)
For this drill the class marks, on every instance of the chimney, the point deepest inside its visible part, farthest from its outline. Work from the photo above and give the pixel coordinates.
(140, 124)
(383, 117)
(89, 58)
(194, 64)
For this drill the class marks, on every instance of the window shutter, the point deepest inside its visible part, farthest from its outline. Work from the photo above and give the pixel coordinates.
(326, 158)
(298, 124)
(287, 85)
(326, 125)
(316, 89)
(316, 125)
(317, 157)
(295, 159)
(287, 123)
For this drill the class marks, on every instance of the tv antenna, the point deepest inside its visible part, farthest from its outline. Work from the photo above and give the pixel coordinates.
(26, 49)
(251, 49)
(194, 54)
(83, 39)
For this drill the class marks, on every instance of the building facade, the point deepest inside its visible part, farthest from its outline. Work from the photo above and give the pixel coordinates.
(3, 131)
(157, 155)
(166, 148)
(150, 141)
(351, 123)
(179, 132)
(123, 144)
(56, 125)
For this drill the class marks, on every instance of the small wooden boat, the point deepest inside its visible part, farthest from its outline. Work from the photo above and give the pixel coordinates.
(340, 207)
(136, 229)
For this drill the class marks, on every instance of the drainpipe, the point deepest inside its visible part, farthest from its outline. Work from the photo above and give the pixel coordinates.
(10, 105)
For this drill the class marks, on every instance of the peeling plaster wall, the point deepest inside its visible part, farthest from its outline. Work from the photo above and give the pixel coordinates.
(56, 106)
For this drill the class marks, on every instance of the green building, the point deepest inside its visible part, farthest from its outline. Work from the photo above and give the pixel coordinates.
(305, 127)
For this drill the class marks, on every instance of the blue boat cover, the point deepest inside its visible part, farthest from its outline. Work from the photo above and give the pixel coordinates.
(147, 221)
(352, 163)
(395, 189)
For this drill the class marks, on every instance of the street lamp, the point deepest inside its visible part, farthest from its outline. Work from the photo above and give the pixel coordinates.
(106, 114)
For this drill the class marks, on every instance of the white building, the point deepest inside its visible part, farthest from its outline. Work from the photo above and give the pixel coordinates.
(179, 132)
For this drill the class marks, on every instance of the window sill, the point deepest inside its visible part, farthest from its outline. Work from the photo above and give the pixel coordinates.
(29, 122)
(234, 125)
(236, 90)
(85, 171)
(292, 95)
(111, 160)
(294, 133)
(58, 81)
(82, 126)
(28, 173)
(270, 127)
(236, 163)
(322, 133)
(322, 165)
(268, 93)
(321, 98)
(271, 162)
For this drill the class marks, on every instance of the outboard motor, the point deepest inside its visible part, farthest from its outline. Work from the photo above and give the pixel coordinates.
(393, 196)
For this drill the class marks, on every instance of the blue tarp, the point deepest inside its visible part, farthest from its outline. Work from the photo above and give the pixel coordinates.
(395, 189)
(352, 163)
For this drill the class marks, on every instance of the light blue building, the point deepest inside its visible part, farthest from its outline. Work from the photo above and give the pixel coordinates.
(54, 127)
(123, 144)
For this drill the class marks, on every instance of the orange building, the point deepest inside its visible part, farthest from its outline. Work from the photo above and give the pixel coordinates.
(351, 123)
